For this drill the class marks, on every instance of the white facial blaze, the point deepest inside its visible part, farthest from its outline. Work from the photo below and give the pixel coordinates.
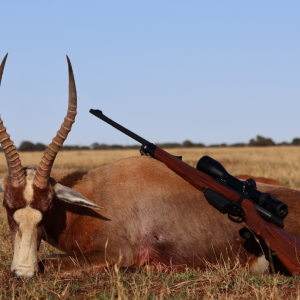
(28, 191)
(25, 262)
(25, 246)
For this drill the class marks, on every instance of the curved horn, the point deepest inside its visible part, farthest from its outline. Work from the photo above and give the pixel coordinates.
(15, 169)
(43, 172)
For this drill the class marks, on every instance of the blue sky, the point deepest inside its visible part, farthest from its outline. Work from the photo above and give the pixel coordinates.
(207, 71)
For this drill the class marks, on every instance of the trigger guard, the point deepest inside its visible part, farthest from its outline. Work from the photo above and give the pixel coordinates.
(239, 211)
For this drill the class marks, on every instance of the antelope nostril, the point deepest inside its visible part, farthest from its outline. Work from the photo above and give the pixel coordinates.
(25, 267)
(41, 267)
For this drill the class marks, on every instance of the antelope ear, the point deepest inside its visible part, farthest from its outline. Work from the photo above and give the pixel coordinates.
(69, 195)
(2, 189)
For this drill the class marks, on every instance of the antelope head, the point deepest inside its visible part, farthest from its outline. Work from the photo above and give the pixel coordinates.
(28, 192)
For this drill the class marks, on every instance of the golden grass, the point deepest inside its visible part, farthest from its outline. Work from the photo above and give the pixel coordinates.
(221, 281)
(280, 163)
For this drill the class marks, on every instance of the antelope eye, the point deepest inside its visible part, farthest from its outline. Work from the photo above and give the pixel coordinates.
(40, 223)
(10, 211)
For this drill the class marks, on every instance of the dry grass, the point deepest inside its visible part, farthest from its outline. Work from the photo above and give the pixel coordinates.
(223, 281)
(280, 163)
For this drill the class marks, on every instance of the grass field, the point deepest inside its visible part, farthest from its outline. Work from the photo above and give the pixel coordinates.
(216, 282)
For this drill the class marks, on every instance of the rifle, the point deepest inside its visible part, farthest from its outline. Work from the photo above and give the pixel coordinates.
(263, 213)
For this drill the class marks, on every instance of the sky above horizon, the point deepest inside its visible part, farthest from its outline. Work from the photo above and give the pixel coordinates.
(207, 71)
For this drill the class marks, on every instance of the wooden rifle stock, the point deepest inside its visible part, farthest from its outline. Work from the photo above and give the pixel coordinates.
(286, 246)
(195, 177)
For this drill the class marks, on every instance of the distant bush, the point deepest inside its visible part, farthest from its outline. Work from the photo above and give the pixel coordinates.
(218, 145)
(296, 141)
(199, 145)
(74, 147)
(168, 145)
(187, 144)
(283, 144)
(97, 146)
(27, 146)
(133, 147)
(261, 141)
(69, 147)
(40, 147)
(238, 145)
(117, 147)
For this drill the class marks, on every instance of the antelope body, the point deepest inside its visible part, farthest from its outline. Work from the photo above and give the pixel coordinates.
(150, 214)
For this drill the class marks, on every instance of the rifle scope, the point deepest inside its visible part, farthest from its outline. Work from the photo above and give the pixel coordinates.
(213, 168)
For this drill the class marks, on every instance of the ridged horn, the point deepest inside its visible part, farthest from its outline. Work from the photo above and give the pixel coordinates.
(43, 172)
(15, 169)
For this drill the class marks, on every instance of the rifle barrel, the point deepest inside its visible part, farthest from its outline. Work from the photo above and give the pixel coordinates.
(98, 113)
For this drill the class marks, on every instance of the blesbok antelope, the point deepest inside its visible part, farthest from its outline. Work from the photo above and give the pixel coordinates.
(150, 215)
(29, 192)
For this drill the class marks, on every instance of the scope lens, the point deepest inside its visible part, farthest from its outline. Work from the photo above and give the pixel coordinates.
(281, 210)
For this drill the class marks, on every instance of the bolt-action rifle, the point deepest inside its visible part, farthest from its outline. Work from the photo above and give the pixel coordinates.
(263, 213)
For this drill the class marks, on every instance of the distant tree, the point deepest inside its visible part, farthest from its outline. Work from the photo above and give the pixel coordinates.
(168, 145)
(218, 145)
(261, 141)
(283, 144)
(117, 147)
(27, 146)
(252, 142)
(238, 145)
(133, 147)
(104, 147)
(1, 149)
(75, 147)
(187, 144)
(96, 146)
(69, 147)
(296, 141)
(40, 147)
(85, 148)
(199, 145)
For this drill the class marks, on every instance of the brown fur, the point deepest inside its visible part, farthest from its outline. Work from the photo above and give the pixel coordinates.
(42, 198)
(150, 215)
(13, 198)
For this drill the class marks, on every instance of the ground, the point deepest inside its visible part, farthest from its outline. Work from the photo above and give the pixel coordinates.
(222, 281)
